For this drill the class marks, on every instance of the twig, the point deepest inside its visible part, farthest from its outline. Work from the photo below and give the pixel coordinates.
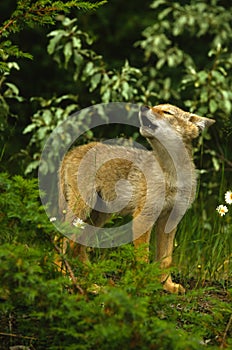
(69, 269)
(225, 333)
(37, 12)
(8, 24)
(17, 336)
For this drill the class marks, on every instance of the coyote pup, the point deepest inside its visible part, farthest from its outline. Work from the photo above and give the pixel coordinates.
(157, 186)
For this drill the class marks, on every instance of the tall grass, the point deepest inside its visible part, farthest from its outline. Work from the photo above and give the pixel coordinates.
(204, 241)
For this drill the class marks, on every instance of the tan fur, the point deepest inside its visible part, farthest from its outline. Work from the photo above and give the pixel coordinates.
(152, 175)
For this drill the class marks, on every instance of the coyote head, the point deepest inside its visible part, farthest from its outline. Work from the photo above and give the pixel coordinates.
(166, 118)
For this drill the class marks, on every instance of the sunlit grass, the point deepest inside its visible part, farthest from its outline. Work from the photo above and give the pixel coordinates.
(204, 245)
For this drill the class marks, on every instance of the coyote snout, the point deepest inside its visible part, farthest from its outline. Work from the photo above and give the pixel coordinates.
(154, 187)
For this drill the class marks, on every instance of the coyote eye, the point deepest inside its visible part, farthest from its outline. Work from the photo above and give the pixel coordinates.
(169, 113)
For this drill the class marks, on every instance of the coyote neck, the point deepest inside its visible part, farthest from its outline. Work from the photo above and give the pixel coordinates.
(175, 159)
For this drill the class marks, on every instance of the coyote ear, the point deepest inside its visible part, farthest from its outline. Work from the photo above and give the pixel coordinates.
(201, 122)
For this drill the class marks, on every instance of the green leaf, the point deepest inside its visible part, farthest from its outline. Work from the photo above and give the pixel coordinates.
(57, 36)
(29, 128)
(47, 117)
(125, 90)
(76, 42)
(213, 106)
(157, 3)
(95, 80)
(32, 166)
(88, 69)
(67, 53)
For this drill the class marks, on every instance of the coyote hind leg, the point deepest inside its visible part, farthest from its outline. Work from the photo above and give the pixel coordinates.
(165, 242)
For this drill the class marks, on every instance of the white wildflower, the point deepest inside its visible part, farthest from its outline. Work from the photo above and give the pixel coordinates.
(77, 222)
(53, 219)
(228, 197)
(222, 209)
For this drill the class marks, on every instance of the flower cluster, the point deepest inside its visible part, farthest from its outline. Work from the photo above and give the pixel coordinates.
(222, 209)
(77, 222)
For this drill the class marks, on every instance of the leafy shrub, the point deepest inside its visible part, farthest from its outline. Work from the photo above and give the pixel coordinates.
(22, 216)
(119, 303)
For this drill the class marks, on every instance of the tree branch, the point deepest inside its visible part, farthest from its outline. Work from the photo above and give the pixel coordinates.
(223, 343)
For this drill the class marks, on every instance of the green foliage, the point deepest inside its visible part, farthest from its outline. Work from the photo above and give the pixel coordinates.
(173, 70)
(178, 44)
(118, 86)
(69, 43)
(10, 92)
(30, 14)
(69, 48)
(120, 303)
(7, 49)
(195, 75)
(210, 240)
(51, 113)
(212, 85)
(23, 218)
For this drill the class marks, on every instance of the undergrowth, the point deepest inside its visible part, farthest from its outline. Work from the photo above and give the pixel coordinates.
(119, 302)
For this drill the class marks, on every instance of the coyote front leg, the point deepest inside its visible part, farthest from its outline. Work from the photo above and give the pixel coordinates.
(138, 226)
(165, 242)
(144, 239)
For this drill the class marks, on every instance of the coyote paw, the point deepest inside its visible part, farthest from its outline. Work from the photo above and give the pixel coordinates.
(172, 287)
